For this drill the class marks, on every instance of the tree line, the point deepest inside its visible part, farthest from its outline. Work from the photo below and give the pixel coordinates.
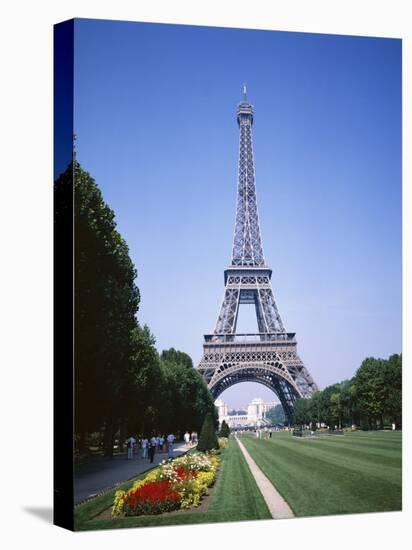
(276, 415)
(122, 384)
(371, 399)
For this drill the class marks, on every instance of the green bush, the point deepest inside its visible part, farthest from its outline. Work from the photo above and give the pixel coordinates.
(208, 439)
(223, 442)
(224, 430)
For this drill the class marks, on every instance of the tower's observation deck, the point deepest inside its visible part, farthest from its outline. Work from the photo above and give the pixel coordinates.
(245, 113)
(245, 109)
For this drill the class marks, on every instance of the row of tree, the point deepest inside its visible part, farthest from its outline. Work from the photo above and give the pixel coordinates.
(371, 399)
(276, 415)
(122, 385)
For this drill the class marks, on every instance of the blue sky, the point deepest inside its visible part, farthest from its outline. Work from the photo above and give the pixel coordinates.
(155, 118)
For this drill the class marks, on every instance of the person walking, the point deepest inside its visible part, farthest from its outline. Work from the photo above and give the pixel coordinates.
(161, 443)
(186, 437)
(144, 446)
(152, 448)
(130, 443)
(170, 440)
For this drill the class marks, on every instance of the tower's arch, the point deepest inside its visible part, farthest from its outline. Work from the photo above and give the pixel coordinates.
(272, 375)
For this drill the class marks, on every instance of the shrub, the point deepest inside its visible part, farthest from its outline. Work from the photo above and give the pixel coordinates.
(208, 439)
(223, 442)
(195, 461)
(193, 488)
(118, 503)
(224, 429)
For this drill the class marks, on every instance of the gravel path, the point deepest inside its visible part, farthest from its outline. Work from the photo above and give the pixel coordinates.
(277, 505)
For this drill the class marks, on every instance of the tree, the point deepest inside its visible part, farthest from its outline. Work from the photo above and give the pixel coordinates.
(106, 302)
(337, 407)
(208, 439)
(276, 414)
(301, 412)
(175, 356)
(371, 391)
(224, 429)
(341, 403)
(393, 384)
(347, 402)
(378, 391)
(372, 396)
(121, 384)
(185, 397)
(144, 380)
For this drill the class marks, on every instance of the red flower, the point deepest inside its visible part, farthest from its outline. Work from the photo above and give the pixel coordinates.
(152, 492)
(183, 474)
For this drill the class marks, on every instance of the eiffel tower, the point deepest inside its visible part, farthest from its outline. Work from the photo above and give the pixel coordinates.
(270, 356)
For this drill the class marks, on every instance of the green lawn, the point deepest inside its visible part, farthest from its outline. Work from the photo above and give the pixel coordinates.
(356, 472)
(235, 497)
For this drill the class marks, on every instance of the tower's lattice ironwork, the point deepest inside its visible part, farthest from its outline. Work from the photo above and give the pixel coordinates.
(270, 356)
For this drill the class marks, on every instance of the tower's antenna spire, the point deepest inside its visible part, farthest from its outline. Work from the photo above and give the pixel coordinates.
(244, 92)
(74, 147)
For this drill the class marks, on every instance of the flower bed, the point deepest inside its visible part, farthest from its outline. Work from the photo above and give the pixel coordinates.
(175, 484)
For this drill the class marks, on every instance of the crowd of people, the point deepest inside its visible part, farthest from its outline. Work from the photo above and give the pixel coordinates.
(149, 446)
(263, 433)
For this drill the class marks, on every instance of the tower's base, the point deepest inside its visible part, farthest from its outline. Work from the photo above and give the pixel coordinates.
(269, 359)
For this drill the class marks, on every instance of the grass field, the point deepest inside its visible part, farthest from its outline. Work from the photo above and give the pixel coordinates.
(235, 497)
(356, 472)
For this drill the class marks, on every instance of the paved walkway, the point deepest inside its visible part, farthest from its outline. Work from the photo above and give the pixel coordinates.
(277, 505)
(103, 473)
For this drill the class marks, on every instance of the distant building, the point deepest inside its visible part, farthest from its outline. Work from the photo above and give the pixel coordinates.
(221, 409)
(255, 417)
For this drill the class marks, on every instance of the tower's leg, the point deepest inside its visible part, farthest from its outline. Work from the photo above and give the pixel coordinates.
(226, 322)
(286, 398)
(271, 315)
(259, 314)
